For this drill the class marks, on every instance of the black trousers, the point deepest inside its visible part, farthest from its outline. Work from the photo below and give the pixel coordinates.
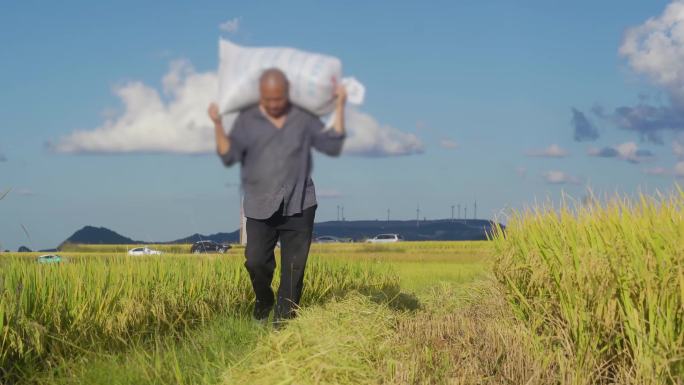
(295, 240)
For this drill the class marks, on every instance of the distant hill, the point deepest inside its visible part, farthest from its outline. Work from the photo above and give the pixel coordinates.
(233, 237)
(98, 235)
(425, 230)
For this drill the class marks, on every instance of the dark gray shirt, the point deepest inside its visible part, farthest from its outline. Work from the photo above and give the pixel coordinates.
(276, 163)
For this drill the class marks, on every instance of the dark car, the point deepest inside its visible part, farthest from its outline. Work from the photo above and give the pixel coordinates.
(331, 239)
(209, 247)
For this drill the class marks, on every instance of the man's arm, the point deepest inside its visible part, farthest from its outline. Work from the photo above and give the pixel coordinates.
(341, 94)
(330, 141)
(222, 140)
(228, 147)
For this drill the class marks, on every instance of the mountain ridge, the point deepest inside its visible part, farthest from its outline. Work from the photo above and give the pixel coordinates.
(412, 230)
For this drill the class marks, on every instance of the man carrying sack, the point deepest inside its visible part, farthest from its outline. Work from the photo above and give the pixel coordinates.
(273, 141)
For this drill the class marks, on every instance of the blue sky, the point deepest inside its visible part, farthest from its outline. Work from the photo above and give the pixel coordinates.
(487, 88)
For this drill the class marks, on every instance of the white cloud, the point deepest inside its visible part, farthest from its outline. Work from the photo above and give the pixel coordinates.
(679, 170)
(327, 193)
(656, 49)
(553, 151)
(656, 171)
(521, 171)
(230, 26)
(24, 192)
(559, 177)
(151, 124)
(628, 151)
(177, 122)
(367, 137)
(678, 147)
(448, 144)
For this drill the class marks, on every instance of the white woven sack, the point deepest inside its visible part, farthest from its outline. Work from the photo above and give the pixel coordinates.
(313, 77)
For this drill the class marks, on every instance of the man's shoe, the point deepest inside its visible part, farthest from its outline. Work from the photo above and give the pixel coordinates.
(279, 324)
(261, 312)
(261, 322)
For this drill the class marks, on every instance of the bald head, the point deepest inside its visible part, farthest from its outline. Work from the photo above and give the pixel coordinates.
(274, 92)
(273, 77)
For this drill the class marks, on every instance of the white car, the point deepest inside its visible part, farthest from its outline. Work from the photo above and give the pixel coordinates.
(385, 238)
(143, 251)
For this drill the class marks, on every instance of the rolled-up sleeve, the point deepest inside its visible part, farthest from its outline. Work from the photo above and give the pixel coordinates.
(237, 148)
(327, 141)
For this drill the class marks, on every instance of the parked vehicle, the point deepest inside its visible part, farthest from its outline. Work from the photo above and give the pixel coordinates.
(209, 247)
(329, 239)
(385, 238)
(49, 258)
(143, 251)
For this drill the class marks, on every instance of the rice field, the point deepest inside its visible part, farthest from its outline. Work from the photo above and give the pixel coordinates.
(91, 301)
(604, 284)
(589, 293)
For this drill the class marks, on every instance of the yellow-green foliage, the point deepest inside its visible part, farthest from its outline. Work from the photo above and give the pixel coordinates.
(91, 302)
(604, 283)
(428, 251)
